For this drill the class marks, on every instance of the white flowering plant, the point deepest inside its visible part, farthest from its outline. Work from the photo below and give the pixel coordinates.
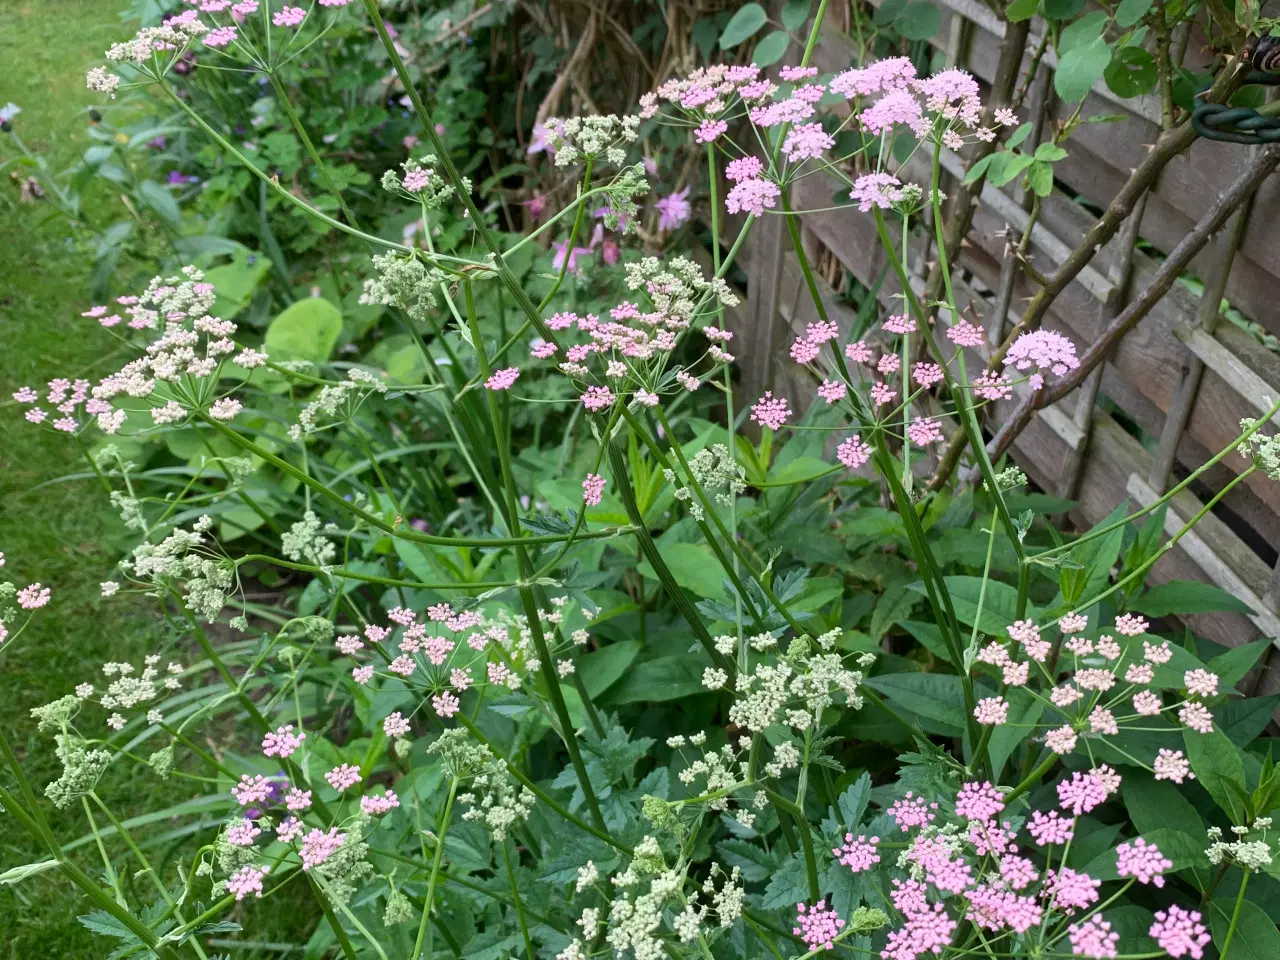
(644, 690)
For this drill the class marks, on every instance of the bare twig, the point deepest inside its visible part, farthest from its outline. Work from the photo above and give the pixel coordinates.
(1164, 278)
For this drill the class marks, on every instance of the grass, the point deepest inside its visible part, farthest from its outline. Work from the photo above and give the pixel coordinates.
(55, 533)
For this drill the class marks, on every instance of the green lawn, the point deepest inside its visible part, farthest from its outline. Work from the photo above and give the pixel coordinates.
(52, 532)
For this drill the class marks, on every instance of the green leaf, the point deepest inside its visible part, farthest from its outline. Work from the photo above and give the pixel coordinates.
(930, 637)
(756, 864)
(694, 568)
(932, 696)
(1154, 804)
(1021, 10)
(1006, 165)
(601, 669)
(104, 923)
(789, 886)
(1236, 662)
(1243, 720)
(918, 21)
(1216, 762)
(1082, 32)
(895, 604)
(887, 11)
(1040, 178)
(1024, 712)
(1023, 131)
(1132, 72)
(978, 169)
(1080, 69)
(159, 199)
(236, 281)
(771, 48)
(1256, 936)
(853, 802)
(795, 13)
(999, 605)
(658, 680)
(306, 330)
(1062, 9)
(744, 25)
(1131, 11)
(1050, 152)
(1187, 596)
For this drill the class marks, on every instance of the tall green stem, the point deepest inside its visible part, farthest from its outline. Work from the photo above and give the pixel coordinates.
(436, 860)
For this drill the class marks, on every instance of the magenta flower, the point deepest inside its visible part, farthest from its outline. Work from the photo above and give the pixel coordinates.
(247, 880)
(770, 411)
(675, 210)
(592, 489)
(817, 926)
(744, 168)
(502, 379)
(342, 777)
(557, 261)
(752, 196)
(709, 130)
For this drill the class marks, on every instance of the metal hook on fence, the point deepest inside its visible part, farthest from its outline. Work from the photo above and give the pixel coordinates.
(1217, 121)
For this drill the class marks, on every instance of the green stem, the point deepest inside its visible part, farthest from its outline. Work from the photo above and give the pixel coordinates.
(1235, 916)
(377, 522)
(515, 898)
(296, 121)
(435, 868)
(546, 664)
(1032, 778)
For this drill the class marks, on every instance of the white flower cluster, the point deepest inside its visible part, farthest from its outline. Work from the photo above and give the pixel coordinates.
(306, 541)
(337, 401)
(1250, 854)
(591, 137)
(206, 580)
(405, 283)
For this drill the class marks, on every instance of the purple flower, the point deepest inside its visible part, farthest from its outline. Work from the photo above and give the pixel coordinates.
(557, 262)
(176, 179)
(675, 210)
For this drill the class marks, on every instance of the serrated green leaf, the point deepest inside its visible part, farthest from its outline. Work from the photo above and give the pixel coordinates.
(853, 802)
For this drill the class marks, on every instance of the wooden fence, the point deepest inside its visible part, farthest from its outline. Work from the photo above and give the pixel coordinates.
(1174, 389)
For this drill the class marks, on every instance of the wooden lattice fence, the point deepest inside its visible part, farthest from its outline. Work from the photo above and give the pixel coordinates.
(1173, 389)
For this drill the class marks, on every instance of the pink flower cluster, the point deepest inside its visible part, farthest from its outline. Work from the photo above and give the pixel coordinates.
(817, 926)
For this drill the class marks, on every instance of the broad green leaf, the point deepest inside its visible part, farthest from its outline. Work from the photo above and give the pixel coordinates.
(694, 567)
(1132, 923)
(894, 604)
(1062, 9)
(1153, 804)
(1021, 10)
(1024, 710)
(1187, 596)
(771, 48)
(932, 696)
(999, 604)
(976, 171)
(744, 25)
(1006, 165)
(1082, 32)
(1236, 662)
(159, 199)
(795, 13)
(1216, 762)
(887, 11)
(1050, 152)
(918, 21)
(1040, 178)
(1132, 72)
(930, 637)
(601, 669)
(236, 281)
(1023, 131)
(1080, 69)
(664, 678)
(1131, 11)
(1243, 720)
(306, 330)
(1256, 936)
